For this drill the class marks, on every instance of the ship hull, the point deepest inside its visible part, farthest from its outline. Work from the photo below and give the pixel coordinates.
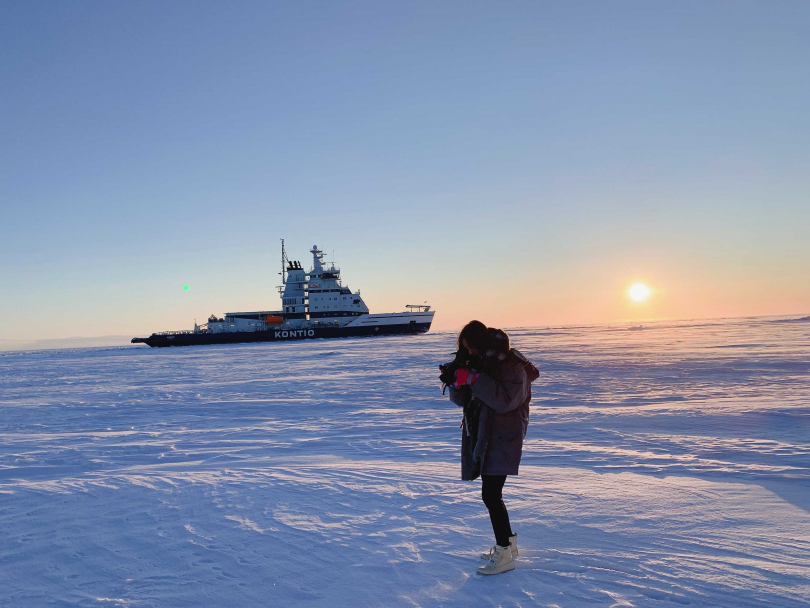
(285, 335)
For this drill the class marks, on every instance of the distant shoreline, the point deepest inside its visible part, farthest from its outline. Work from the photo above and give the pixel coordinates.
(58, 343)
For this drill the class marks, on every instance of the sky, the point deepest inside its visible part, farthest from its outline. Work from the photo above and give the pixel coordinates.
(522, 163)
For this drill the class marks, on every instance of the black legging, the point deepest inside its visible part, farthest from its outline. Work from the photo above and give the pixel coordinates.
(491, 489)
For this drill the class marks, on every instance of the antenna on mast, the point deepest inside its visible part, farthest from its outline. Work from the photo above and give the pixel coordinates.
(284, 262)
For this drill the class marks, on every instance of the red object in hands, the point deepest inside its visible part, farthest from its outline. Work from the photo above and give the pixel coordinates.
(465, 376)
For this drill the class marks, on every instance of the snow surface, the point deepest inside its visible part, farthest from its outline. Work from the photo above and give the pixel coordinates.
(664, 466)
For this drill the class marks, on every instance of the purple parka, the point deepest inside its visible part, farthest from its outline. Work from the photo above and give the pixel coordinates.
(505, 389)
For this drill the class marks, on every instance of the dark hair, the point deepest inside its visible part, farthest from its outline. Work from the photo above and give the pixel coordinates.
(476, 335)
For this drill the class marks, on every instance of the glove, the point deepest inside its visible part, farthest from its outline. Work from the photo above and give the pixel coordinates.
(465, 376)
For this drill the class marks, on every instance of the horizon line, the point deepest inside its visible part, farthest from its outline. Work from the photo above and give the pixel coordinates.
(634, 323)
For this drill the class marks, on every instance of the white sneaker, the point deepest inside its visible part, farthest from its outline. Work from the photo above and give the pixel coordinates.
(501, 561)
(512, 545)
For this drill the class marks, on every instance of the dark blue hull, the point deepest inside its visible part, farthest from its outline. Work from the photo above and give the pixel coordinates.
(273, 335)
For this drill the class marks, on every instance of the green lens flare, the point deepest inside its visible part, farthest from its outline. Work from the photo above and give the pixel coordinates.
(186, 287)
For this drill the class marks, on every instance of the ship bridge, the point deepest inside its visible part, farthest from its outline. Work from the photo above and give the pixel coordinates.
(327, 298)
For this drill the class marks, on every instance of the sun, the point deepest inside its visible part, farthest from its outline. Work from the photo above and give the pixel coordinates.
(639, 292)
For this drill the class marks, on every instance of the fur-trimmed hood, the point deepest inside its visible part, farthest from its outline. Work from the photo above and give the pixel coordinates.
(500, 343)
(495, 354)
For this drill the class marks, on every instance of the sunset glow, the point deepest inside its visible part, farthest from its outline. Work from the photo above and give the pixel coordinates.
(639, 292)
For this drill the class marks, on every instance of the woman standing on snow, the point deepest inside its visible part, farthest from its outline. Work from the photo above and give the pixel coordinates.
(495, 390)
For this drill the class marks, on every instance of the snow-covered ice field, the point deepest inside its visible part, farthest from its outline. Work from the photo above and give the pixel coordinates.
(664, 466)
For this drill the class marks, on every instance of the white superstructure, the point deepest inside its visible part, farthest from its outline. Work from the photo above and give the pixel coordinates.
(327, 298)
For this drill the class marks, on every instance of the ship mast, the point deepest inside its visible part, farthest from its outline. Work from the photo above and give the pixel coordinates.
(284, 263)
